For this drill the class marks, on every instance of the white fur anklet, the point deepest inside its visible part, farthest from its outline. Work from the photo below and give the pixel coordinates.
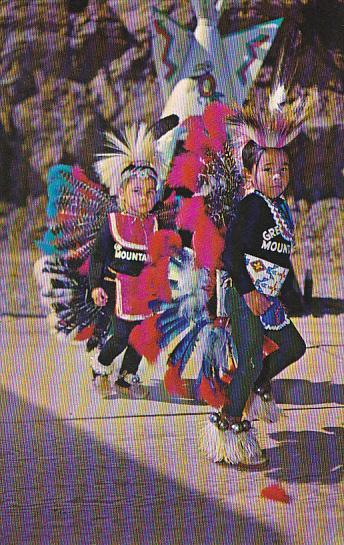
(230, 445)
(99, 368)
(261, 409)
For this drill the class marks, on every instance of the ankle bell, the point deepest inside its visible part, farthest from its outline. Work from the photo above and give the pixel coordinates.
(224, 423)
(264, 391)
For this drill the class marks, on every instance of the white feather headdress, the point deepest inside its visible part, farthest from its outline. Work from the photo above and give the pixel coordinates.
(135, 146)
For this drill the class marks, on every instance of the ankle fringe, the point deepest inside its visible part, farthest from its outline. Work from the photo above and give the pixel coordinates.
(99, 368)
(267, 411)
(226, 446)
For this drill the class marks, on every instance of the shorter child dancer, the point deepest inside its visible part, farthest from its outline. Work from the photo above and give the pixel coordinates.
(120, 251)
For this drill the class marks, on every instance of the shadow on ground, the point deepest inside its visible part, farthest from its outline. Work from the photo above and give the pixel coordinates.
(63, 486)
(304, 392)
(319, 306)
(308, 456)
(155, 391)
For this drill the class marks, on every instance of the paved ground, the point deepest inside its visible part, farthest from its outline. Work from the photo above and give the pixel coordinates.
(78, 469)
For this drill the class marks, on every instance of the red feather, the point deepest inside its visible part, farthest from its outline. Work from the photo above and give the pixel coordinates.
(208, 244)
(163, 243)
(275, 493)
(214, 119)
(173, 382)
(84, 333)
(154, 281)
(211, 393)
(145, 338)
(269, 346)
(197, 141)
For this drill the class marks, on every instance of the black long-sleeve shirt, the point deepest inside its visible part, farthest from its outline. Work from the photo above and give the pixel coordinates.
(255, 232)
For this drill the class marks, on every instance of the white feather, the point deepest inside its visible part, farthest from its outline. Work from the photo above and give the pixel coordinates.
(137, 147)
(277, 99)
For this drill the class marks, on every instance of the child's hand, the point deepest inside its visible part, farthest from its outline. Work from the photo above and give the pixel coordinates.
(99, 297)
(257, 302)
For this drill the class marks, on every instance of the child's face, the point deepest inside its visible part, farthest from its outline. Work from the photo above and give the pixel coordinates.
(138, 195)
(271, 175)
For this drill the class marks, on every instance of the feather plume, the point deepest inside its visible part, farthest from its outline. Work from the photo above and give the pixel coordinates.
(190, 213)
(185, 170)
(273, 121)
(135, 146)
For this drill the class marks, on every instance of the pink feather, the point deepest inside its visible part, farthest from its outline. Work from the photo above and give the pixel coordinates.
(84, 268)
(185, 170)
(190, 213)
(214, 119)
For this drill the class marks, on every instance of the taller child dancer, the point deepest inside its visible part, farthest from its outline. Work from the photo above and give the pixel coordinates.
(257, 258)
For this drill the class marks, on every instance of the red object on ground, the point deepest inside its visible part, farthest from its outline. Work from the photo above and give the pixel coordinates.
(275, 493)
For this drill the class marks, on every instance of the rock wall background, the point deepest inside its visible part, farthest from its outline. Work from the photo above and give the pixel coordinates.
(66, 75)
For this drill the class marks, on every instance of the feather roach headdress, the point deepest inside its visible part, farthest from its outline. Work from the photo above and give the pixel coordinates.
(271, 121)
(133, 152)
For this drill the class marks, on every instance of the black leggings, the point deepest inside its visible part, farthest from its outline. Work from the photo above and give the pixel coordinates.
(248, 335)
(117, 343)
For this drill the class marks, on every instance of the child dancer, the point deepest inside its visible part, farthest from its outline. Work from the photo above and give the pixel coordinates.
(257, 258)
(120, 250)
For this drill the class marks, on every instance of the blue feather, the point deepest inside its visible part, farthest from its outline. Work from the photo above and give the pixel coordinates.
(56, 171)
(186, 346)
(177, 324)
(51, 208)
(184, 349)
(167, 316)
(171, 334)
(47, 248)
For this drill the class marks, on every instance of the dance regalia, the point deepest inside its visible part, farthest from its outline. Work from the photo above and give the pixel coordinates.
(258, 252)
(210, 170)
(207, 169)
(78, 208)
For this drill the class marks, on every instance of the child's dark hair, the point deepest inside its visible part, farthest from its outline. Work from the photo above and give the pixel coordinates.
(252, 153)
